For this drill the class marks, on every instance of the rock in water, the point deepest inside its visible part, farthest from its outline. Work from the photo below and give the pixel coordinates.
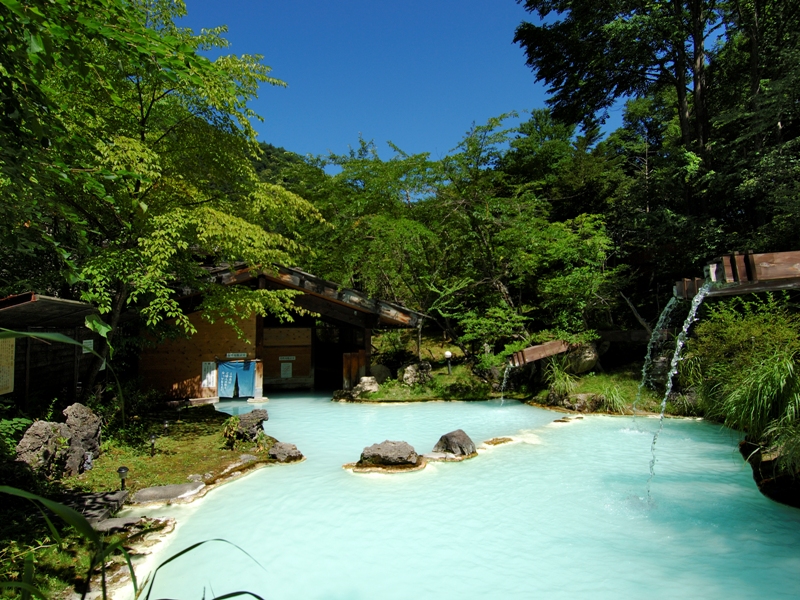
(284, 453)
(456, 442)
(251, 423)
(392, 454)
(85, 428)
(44, 447)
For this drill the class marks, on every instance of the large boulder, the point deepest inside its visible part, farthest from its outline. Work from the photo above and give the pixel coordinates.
(284, 452)
(367, 385)
(582, 359)
(251, 423)
(84, 426)
(456, 442)
(416, 374)
(45, 446)
(381, 373)
(389, 454)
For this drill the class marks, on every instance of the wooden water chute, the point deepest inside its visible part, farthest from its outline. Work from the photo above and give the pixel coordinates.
(538, 352)
(745, 273)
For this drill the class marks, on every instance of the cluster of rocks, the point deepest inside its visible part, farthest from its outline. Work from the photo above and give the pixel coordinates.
(250, 427)
(396, 456)
(366, 385)
(55, 449)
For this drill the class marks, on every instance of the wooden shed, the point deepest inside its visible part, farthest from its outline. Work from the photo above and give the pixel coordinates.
(328, 351)
(34, 372)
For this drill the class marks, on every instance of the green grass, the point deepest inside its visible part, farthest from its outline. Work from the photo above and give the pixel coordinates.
(461, 384)
(193, 444)
(625, 382)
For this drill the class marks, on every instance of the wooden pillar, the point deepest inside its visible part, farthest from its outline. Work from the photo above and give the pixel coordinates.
(76, 371)
(368, 350)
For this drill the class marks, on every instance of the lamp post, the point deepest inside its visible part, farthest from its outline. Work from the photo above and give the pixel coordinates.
(123, 473)
(448, 355)
(152, 445)
(166, 425)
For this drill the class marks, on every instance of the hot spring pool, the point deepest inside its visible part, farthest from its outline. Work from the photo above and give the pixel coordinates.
(561, 512)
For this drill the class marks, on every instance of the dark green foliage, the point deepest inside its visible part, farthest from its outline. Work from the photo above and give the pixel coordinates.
(743, 362)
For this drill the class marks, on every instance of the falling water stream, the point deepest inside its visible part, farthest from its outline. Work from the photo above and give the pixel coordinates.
(655, 337)
(673, 369)
(503, 385)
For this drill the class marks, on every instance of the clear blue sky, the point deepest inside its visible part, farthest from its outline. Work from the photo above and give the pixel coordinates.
(416, 72)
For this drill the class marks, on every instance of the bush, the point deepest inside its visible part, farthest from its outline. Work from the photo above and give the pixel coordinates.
(743, 361)
(560, 383)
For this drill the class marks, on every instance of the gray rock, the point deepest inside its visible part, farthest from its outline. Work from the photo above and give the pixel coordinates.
(381, 373)
(246, 458)
(251, 423)
(195, 478)
(582, 359)
(116, 524)
(456, 442)
(366, 385)
(45, 447)
(84, 426)
(417, 374)
(164, 493)
(582, 402)
(283, 452)
(389, 453)
(98, 506)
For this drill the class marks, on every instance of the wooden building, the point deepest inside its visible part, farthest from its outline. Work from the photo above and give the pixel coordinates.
(35, 372)
(329, 351)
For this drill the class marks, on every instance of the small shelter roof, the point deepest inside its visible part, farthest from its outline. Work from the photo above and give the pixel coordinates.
(34, 310)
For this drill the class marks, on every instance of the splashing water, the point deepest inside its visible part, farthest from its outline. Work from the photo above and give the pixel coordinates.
(663, 320)
(673, 369)
(503, 385)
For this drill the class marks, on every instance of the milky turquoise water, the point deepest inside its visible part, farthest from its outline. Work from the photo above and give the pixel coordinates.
(559, 513)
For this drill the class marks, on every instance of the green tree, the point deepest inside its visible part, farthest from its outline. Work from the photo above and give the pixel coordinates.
(166, 180)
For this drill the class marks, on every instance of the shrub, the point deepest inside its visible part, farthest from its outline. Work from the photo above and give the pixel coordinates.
(743, 361)
(560, 383)
(611, 400)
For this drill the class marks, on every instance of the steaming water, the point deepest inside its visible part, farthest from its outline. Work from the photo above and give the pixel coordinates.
(559, 513)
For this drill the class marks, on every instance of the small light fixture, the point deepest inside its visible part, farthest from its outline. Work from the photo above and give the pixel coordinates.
(123, 474)
(166, 425)
(448, 355)
(152, 445)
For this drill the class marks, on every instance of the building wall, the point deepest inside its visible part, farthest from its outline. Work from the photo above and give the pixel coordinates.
(175, 367)
(288, 357)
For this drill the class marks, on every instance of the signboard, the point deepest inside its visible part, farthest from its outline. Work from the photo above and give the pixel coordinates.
(286, 358)
(286, 370)
(88, 346)
(236, 355)
(7, 366)
(209, 376)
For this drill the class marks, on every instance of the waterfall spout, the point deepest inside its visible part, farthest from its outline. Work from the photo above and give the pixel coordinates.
(673, 369)
(663, 321)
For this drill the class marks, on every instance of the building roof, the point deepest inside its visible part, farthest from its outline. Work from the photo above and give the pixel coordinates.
(324, 297)
(34, 310)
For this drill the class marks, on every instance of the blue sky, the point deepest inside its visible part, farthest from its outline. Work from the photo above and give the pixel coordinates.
(416, 72)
